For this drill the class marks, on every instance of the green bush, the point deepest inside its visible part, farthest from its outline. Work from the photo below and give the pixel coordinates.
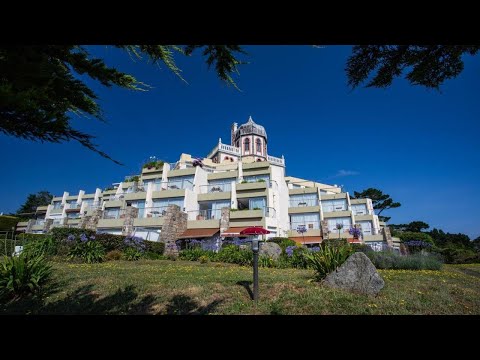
(61, 234)
(156, 247)
(203, 259)
(194, 254)
(46, 245)
(89, 252)
(361, 248)
(153, 256)
(410, 235)
(113, 255)
(392, 260)
(20, 275)
(111, 242)
(132, 254)
(267, 262)
(294, 256)
(7, 222)
(234, 255)
(283, 242)
(453, 255)
(327, 259)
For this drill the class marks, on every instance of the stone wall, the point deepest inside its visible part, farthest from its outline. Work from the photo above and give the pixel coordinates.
(174, 224)
(324, 226)
(48, 224)
(225, 219)
(131, 214)
(387, 236)
(90, 222)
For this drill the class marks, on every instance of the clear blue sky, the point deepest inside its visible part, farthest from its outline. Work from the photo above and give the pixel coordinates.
(418, 145)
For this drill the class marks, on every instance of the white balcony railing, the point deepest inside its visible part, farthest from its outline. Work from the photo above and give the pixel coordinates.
(229, 149)
(276, 160)
(225, 187)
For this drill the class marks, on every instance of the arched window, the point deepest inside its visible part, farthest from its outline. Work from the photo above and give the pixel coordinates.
(259, 146)
(247, 144)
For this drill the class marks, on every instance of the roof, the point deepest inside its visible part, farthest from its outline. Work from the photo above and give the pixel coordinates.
(198, 233)
(234, 231)
(250, 127)
(306, 239)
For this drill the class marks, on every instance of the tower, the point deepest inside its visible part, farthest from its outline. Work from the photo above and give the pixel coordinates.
(251, 138)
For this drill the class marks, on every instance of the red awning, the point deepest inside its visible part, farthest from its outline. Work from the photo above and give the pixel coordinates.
(307, 239)
(198, 233)
(234, 232)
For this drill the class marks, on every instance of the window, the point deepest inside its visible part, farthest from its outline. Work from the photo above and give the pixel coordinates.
(334, 205)
(303, 200)
(366, 227)
(247, 144)
(310, 220)
(168, 201)
(259, 146)
(257, 178)
(346, 222)
(359, 209)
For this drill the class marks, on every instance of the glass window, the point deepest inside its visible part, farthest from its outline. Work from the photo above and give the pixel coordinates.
(310, 220)
(257, 203)
(168, 201)
(359, 209)
(334, 205)
(345, 222)
(256, 178)
(180, 182)
(366, 227)
(303, 200)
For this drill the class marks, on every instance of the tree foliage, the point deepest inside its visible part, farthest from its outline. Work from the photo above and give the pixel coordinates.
(380, 201)
(426, 65)
(443, 239)
(414, 226)
(34, 200)
(40, 88)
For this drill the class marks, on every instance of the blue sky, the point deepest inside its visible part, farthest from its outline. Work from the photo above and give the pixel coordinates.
(418, 145)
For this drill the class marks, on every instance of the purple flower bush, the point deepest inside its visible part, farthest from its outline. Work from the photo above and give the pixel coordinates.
(314, 249)
(289, 250)
(135, 242)
(83, 238)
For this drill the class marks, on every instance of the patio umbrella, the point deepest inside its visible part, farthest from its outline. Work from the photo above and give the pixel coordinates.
(254, 230)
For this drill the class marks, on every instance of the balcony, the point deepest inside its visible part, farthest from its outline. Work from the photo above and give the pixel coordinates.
(275, 160)
(173, 185)
(213, 188)
(253, 213)
(151, 216)
(251, 185)
(303, 202)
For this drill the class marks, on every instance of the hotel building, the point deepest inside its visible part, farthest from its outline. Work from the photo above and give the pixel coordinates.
(236, 185)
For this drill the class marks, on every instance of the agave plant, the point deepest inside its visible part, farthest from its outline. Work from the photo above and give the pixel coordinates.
(327, 259)
(20, 275)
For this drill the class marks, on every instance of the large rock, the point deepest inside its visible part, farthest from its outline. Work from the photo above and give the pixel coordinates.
(357, 274)
(270, 249)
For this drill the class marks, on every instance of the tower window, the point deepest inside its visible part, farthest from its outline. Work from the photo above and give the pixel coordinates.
(259, 146)
(247, 144)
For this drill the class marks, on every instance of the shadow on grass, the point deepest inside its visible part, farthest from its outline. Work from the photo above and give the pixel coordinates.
(185, 305)
(82, 301)
(246, 285)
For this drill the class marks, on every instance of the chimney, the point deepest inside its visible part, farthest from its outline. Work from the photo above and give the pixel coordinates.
(234, 129)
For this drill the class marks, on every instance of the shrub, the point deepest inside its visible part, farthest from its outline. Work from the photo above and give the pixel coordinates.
(327, 259)
(234, 255)
(156, 247)
(23, 274)
(111, 242)
(282, 242)
(452, 255)
(361, 248)
(391, 260)
(193, 254)
(89, 251)
(135, 242)
(265, 261)
(410, 235)
(132, 254)
(203, 259)
(294, 256)
(61, 234)
(113, 255)
(46, 245)
(154, 256)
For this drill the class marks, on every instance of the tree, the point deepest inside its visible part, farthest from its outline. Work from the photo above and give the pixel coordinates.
(39, 91)
(476, 243)
(35, 200)
(429, 65)
(443, 239)
(380, 201)
(414, 226)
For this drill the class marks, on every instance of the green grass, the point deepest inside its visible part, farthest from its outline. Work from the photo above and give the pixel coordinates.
(182, 287)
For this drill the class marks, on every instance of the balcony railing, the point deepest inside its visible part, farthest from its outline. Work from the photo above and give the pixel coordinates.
(309, 225)
(359, 212)
(115, 214)
(275, 160)
(136, 188)
(73, 206)
(173, 185)
(39, 222)
(225, 187)
(205, 214)
(57, 221)
(228, 148)
(303, 202)
(154, 212)
(334, 208)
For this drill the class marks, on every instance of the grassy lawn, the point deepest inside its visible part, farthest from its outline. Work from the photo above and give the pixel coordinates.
(180, 287)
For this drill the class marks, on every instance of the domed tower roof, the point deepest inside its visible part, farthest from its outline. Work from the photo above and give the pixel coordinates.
(250, 127)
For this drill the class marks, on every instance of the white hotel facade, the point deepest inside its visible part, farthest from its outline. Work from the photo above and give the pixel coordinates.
(241, 178)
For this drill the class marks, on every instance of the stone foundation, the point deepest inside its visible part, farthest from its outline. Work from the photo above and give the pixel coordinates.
(175, 224)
